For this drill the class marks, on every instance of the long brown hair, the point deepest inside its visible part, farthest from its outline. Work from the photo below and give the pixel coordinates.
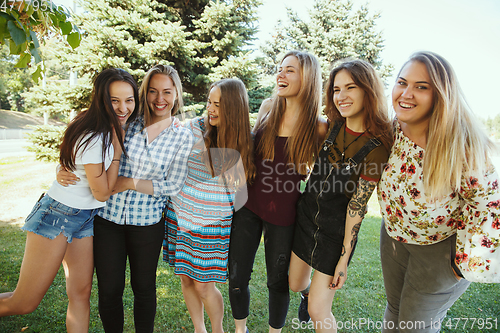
(99, 119)
(233, 130)
(143, 91)
(304, 143)
(376, 118)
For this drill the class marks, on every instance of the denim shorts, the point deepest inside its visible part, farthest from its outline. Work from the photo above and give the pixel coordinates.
(50, 217)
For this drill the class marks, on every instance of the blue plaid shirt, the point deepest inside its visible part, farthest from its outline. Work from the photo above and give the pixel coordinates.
(164, 161)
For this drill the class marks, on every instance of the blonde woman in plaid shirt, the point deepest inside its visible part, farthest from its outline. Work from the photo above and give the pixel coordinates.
(131, 223)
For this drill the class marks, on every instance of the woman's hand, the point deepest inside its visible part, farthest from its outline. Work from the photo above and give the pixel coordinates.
(66, 178)
(340, 275)
(116, 144)
(123, 184)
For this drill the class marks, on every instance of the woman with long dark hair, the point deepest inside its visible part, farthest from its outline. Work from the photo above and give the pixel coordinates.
(347, 169)
(60, 226)
(131, 226)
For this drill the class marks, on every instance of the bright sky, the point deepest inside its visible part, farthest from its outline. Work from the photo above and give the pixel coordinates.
(466, 33)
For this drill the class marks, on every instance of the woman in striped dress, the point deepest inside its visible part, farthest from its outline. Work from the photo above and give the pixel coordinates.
(198, 219)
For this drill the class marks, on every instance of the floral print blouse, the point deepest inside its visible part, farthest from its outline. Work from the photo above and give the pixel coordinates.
(411, 217)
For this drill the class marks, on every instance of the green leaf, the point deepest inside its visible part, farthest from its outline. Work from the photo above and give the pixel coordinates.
(7, 16)
(31, 10)
(61, 16)
(34, 38)
(55, 20)
(14, 14)
(37, 75)
(24, 60)
(16, 49)
(66, 27)
(74, 39)
(18, 35)
(3, 28)
(34, 53)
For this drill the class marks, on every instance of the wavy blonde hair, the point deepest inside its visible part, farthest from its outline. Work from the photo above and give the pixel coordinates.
(304, 143)
(457, 146)
(143, 91)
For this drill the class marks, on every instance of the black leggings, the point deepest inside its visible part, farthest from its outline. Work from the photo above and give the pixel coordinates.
(246, 232)
(112, 244)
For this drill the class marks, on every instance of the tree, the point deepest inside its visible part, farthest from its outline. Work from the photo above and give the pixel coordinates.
(23, 23)
(334, 31)
(203, 40)
(13, 82)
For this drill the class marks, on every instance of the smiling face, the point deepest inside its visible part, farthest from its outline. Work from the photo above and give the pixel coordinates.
(161, 97)
(288, 78)
(213, 103)
(413, 95)
(122, 98)
(348, 98)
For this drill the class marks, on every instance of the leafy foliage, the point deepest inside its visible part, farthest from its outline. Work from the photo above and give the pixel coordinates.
(46, 141)
(23, 23)
(13, 82)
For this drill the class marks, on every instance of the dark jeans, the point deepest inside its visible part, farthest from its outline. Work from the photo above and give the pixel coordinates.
(246, 232)
(112, 244)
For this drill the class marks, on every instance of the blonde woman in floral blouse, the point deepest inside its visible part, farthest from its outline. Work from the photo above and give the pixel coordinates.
(438, 177)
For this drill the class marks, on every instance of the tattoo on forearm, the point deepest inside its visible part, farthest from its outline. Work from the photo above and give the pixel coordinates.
(354, 233)
(343, 251)
(341, 273)
(357, 204)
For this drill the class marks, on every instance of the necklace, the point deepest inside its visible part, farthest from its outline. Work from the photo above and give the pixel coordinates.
(344, 146)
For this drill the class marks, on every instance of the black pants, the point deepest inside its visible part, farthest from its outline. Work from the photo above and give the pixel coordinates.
(246, 232)
(112, 244)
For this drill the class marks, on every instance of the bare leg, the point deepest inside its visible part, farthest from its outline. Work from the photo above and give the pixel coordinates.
(274, 330)
(320, 303)
(79, 268)
(213, 302)
(240, 325)
(41, 261)
(193, 303)
(299, 276)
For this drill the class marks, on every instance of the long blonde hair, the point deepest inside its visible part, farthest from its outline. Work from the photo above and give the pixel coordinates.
(456, 147)
(304, 141)
(233, 130)
(143, 91)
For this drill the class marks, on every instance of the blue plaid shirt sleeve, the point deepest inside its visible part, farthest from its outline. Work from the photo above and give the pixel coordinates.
(177, 173)
(163, 161)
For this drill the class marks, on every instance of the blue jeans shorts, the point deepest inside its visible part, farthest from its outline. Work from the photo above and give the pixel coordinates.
(49, 218)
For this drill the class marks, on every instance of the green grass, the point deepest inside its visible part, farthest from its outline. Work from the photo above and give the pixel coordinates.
(361, 298)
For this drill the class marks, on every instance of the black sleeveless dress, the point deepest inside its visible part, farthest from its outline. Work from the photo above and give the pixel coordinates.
(322, 208)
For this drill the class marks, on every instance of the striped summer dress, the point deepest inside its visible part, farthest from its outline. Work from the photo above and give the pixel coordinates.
(198, 220)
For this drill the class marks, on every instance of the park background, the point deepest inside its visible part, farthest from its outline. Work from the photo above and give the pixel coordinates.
(465, 33)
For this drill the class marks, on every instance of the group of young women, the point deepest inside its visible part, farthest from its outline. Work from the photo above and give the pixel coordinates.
(210, 189)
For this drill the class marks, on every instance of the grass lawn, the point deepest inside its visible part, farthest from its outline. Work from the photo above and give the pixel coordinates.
(362, 298)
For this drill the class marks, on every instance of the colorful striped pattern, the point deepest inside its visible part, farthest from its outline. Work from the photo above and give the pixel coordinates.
(198, 223)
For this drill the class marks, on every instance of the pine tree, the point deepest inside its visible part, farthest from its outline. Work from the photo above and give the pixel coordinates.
(204, 40)
(334, 31)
